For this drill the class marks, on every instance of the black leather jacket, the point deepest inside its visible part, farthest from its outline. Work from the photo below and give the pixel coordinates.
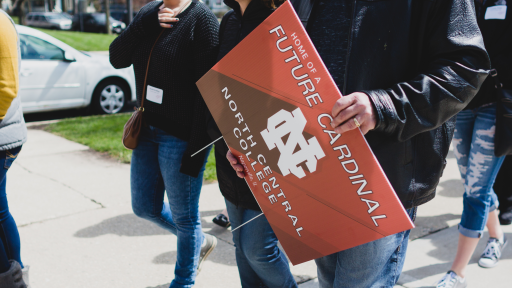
(421, 62)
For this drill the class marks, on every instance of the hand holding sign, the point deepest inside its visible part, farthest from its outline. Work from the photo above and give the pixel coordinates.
(353, 106)
(239, 168)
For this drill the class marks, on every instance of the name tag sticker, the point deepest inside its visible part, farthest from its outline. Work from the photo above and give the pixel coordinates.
(154, 94)
(498, 12)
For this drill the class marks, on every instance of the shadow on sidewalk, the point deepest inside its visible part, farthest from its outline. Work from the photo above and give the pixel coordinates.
(452, 188)
(222, 254)
(161, 286)
(445, 243)
(428, 225)
(131, 225)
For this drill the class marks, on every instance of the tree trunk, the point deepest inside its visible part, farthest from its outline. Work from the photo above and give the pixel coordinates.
(16, 4)
(21, 17)
(130, 11)
(107, 12)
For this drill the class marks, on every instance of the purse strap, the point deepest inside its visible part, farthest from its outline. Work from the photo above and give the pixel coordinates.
(141, 108)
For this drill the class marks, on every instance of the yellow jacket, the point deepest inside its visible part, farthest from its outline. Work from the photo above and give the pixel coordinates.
(9, 79)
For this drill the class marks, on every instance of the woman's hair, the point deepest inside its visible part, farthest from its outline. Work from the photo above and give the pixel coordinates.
(273, 3)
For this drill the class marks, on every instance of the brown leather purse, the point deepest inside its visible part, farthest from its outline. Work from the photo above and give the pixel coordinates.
(134, 125)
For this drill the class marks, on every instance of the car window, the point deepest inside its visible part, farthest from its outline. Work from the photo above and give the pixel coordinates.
(55, 17)
(101, 18)
(29, 17)
(33, 48)
(37, 18)
(117, 15)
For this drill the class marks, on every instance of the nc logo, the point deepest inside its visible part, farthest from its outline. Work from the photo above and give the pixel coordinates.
(283, 123)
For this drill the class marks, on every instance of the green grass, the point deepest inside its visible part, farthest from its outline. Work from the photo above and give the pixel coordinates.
(101, 133)
(79, 40)
(104, 133)
(82, 40)
(210, 171)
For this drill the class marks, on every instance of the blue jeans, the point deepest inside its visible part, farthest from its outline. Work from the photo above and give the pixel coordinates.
(154, 170)
(474, 149)
(371, 265)
(9, 236)
(260, 261)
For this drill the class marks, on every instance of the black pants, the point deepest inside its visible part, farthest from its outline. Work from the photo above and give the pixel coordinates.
(503, 186)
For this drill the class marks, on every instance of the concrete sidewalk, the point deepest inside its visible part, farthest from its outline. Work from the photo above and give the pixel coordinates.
(78, 230)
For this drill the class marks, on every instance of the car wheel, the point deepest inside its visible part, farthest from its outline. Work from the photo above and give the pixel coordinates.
(110, 97)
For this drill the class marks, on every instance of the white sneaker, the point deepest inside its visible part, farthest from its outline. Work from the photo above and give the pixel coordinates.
(492, 253)
(451, 280)
(25, 275)
(209, 243)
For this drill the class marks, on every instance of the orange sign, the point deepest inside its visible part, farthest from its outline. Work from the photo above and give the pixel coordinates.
(321, 192)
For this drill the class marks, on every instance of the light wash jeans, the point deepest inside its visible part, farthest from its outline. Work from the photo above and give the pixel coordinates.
(474, 149)
(376, 264)
(261, 264)
(154, 170)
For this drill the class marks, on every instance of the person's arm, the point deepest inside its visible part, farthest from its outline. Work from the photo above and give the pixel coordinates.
(145, 23)
(205, 50)
(9, 79)
(457, 66)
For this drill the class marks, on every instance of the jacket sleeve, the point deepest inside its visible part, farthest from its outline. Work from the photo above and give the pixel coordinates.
(145, 23)
(206, 42)
(9, 79)
(456, 66)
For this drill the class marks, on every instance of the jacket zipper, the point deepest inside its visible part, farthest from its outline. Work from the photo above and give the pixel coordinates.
(349, 48)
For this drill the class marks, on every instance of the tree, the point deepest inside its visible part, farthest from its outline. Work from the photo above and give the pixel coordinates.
(21, 15)
(107, 11)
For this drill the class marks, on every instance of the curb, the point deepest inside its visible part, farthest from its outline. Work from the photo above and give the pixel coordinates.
(41, 123)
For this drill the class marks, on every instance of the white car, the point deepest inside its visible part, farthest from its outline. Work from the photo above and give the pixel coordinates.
(48, 20)
(55, 76)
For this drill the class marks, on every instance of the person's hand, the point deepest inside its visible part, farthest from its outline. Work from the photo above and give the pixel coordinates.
(239, 168)
(166, 17)
(353, 106)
